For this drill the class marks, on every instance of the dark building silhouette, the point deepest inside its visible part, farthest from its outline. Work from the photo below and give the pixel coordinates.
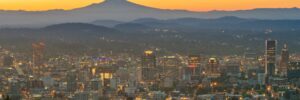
(270, 57)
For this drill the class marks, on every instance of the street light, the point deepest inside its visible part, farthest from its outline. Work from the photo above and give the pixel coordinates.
(269, 88)
(214, 84)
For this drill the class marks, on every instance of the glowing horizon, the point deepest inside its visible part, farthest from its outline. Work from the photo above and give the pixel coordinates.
(191, 5)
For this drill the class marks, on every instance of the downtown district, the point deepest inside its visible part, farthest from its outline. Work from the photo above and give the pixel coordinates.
(150, 76)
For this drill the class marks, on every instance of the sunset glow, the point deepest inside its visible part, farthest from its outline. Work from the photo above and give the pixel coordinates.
(193, 5)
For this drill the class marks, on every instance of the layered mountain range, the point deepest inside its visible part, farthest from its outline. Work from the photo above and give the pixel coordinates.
(123, 10)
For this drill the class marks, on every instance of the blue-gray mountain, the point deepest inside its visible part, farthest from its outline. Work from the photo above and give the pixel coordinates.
(226, 35)
(197, 24)
(122, 10)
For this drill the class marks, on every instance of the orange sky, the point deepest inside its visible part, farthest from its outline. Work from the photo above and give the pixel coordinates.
(193, 5)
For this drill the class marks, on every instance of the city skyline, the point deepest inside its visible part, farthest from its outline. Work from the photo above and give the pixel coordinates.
(145, 50)
(193, 5)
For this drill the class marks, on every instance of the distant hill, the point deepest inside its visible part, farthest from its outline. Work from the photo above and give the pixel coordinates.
(223, 23)
(78, 27)
(227, 35)
(125, 11)
(107, 23)
(132, 27)
(72, 31)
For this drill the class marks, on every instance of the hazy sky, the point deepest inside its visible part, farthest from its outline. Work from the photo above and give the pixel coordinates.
(194, 5)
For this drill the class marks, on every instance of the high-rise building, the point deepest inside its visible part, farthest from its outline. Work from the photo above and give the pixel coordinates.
(38, 54)
(213, 65)
(194, 61)
(293, 70)
(71, 81)
(8, 61)
(193, 70)
(270, 57)
(148, 66)
(212, 68)
(106, 74)
(169, 66)
(169, 63)
(284, 61)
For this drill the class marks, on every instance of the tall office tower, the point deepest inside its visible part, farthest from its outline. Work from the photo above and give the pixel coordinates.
(106, 74)
(194, 60)
(213, 66)
(148, 66)
(169, 63)
(270, 57)
(284, 61)
(193, 69)
(38, 54)
(170, 66)
(71, 81)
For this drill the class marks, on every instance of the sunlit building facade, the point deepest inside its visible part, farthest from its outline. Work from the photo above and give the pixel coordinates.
(284, 61)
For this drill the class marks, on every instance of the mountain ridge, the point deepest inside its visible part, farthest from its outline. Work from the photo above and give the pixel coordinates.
(126, 1)
(125, 11)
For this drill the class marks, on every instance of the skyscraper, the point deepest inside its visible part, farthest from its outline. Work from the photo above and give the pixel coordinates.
(106, 74)
(284, 61)
(194, 69)
(270, 57)
(169, 65)
(194, 60)
(71, 81)
(148, 65)
(212, 68)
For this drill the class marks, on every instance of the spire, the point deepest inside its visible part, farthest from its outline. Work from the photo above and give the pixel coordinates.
(285, 47)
